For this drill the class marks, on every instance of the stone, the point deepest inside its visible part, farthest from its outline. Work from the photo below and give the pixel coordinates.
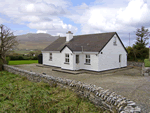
(122, 103)
(128, 108)
(146, 74)
(120, 108)
(137, 109)
(132, 104)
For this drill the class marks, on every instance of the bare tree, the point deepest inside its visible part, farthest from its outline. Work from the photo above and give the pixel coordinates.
(7, 42)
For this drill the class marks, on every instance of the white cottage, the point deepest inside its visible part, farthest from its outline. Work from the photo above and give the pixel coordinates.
(96, 52)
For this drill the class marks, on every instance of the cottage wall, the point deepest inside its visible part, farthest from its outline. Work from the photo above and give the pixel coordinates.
(56, 59)
(94, 62)
(109, 58)
(69, 66)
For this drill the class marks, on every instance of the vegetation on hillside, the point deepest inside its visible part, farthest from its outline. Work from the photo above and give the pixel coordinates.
(17, 94)
(30, 55)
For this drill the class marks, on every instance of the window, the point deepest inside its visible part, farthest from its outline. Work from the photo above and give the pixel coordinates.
(119, 58)
(87, 59)
(115, 40)
(77, 59)
(66, 58)
(50, 56)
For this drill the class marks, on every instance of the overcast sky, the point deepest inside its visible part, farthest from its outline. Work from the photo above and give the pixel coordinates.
(56, 17)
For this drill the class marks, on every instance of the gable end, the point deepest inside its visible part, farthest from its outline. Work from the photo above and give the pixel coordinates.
(110, 39)
(64, 47)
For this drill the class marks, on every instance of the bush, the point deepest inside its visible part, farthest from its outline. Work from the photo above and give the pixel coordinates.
(7, 59)
(19, 57)
(35, 58)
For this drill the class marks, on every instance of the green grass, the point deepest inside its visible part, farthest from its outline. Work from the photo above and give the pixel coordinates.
(147, 62)
(17, 94)
(18, 62)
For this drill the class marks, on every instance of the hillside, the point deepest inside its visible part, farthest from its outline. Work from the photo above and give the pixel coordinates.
(35, 40)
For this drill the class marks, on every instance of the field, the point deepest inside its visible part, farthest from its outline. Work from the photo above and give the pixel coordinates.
(22, 51)
(18, 62)
(147, 62)
(17, 94)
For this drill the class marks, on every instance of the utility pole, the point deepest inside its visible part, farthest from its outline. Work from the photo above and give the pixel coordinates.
(129, 39)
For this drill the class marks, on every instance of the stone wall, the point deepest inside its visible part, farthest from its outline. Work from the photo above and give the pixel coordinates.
(131, 63)
(145, 70)
(97, 95)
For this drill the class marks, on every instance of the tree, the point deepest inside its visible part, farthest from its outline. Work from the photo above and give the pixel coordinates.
(139, 48)
(141, 37)
(31, 53)
(8, 41)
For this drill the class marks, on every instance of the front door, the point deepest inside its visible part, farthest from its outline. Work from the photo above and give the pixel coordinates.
(77, 62)
(120, 60)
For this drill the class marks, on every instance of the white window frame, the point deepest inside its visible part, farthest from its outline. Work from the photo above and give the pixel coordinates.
(50, 56)
(67, 58)
(87, 59)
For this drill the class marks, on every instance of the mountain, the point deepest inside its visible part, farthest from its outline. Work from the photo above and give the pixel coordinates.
(35, 40)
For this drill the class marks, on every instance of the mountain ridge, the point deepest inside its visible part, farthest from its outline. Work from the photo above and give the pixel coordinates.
(35, 40)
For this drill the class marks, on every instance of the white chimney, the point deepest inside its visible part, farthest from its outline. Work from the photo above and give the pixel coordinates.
(69, 36)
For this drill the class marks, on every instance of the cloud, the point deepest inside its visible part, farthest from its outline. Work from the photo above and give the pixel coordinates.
(2, 20)
(42, 15)
(41, 31)
(100, 19)
(124, 17)
(137, 11)
(41, 8)
(54, 27)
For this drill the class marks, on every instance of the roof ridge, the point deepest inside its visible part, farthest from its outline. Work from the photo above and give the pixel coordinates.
(92, 34)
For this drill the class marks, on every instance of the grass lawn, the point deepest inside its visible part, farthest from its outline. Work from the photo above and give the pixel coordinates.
(147, 62)
(18, 62)
(17, 94)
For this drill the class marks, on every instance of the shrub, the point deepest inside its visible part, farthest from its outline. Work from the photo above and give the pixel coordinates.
(35, 58)
(7, 59)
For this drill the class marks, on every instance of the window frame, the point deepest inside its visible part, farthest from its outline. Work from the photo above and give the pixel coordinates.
(67, 58)
(50, 57)
(87, 59)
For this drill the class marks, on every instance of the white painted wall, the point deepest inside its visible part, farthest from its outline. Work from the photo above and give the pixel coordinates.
(110, 57)
(82, 65)
(56, 59)
(69, 66)
(69, 36)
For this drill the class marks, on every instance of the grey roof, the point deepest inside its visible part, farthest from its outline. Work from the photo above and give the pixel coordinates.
(90, 42)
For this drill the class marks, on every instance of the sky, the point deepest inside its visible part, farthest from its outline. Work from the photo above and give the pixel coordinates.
(56, 17)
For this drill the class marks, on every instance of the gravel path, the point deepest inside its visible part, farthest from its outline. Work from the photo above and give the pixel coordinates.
(126, 82)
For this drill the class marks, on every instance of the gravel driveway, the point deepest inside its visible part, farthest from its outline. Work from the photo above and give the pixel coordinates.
(126, 82)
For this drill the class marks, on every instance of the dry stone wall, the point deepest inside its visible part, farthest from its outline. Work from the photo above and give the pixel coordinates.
(130, 63)
(97, 95)
(145, 70)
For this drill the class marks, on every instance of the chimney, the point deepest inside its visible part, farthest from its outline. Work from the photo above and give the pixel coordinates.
(69, 36)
